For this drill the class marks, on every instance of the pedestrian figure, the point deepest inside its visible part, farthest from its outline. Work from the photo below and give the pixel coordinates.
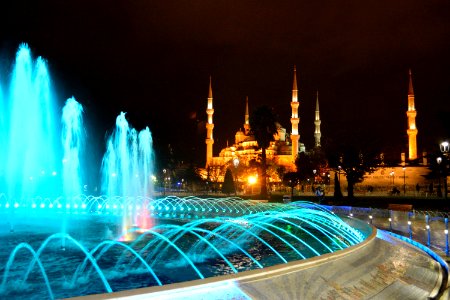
(320, 194)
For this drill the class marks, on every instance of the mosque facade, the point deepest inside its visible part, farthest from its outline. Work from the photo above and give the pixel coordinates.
(286, 145)
(282, 152)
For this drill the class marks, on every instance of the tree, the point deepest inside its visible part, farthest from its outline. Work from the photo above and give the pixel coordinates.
(337, 187)
(354, 155)
(304, 166)
(228, 183)
(192, 178)
(263, 127)
(213, 174)
(354, 162)
(291, 179)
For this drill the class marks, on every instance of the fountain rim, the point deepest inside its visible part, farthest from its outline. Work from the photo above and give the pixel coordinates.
(241, 277)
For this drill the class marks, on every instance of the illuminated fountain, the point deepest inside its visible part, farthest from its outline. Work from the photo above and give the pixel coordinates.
(57, 242)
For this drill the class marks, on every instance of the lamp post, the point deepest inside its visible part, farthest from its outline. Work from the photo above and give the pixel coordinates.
(444, 150)
(236, 165)
(439, 161)
(404, 181)
(164, 182)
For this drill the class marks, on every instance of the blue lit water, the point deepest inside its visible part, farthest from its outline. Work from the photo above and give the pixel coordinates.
(175, 250)
(57, 243)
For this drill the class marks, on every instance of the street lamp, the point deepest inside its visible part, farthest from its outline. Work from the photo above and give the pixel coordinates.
(251, 182)
(444, 150)
(236, 165)
(404, 181)
(164, 182)
(439, 161)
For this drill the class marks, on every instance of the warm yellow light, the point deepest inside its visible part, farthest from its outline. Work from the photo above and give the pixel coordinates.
(251, 179)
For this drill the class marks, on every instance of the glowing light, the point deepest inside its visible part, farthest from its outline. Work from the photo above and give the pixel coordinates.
(252, 179)
(16, 205)
(54, 173)
(42, 205)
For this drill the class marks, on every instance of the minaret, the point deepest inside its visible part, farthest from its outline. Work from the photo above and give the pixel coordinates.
(209, 127)
(294, 118)
(411, 114)
(317, 122)
(247, 118)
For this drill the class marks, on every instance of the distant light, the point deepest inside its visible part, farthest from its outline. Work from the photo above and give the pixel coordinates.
(42, 172)
(33, 205)
(54, 173)
(59, 205)
(75, 206)
(67, 205)
(31, 177)
(42, 205)
(83, 206)
(409, 222)
(113, 174)
(50, 205)
(7, 205)
(16, 205)
(99, 206)
(446, 231)
(427, 226)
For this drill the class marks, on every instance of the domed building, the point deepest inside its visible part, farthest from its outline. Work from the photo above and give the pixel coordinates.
(244, 153)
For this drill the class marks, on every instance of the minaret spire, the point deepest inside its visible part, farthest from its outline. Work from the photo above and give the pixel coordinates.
(317, 134)
(411, 115)
(295, 118)
(209, 126)
(247, 118)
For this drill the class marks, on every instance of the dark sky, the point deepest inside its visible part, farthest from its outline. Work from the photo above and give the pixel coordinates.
(153, 60)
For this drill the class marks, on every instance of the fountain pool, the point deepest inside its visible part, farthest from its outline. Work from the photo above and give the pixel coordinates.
(193, 239)
(57, 242)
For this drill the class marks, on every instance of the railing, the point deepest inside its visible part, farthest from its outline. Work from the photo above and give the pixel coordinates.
(429, 228)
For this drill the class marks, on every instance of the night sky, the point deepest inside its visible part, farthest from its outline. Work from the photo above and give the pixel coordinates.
(153, 59)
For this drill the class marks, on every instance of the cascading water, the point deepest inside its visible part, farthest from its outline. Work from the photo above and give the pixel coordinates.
(126, 169)
(41, 180)
(30, 131)
(72, 140)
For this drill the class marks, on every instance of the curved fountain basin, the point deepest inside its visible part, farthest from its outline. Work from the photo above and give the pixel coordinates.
(380, 267)
(201, 248)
